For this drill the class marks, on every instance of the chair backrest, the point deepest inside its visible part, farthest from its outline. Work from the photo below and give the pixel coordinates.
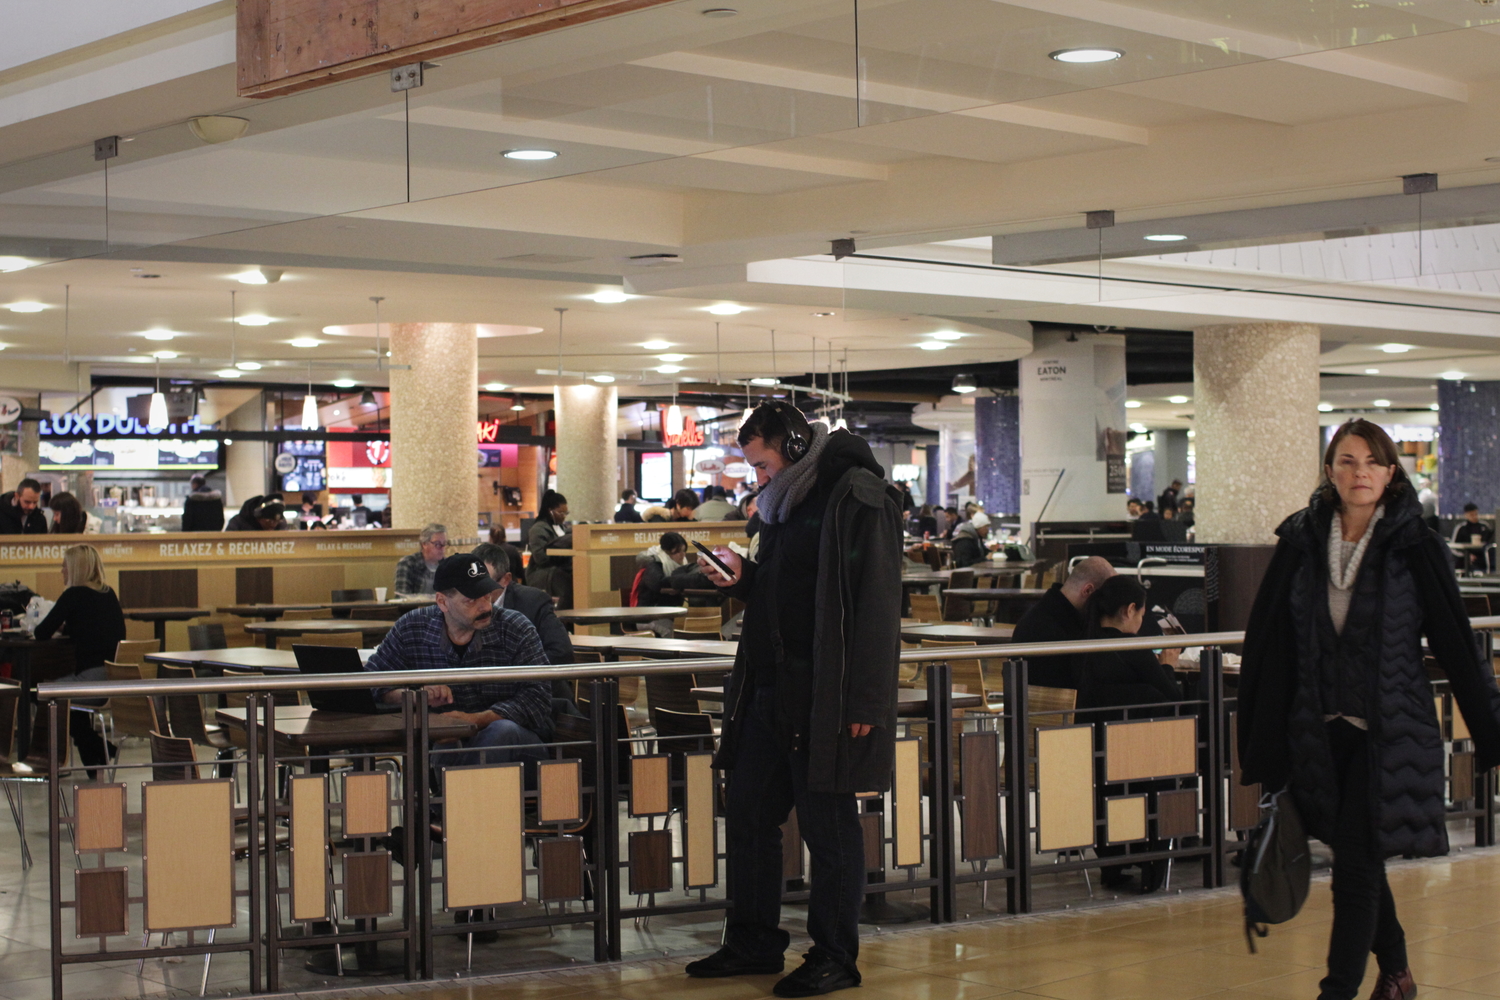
(1476, 605)
(672, 692)
(713, 611)
(130, 715)
(962, 578)
(350, 640)
(206, 636)
(698, 625)
(135, 650)
(924, 607)
(669, 724)
(968, 674)
(172, 758)
(365, 594)
(10, 698)
(237, 699)
(184, 711)
(1048, 706)
(306, 614)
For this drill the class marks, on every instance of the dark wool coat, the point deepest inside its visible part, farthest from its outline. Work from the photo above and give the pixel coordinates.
(1405, 589)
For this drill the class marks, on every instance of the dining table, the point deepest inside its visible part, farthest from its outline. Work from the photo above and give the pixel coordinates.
(214, 662)
(158, 617)
(984, 635)
(612, 646)
(32, 661)
(312, 730)
(340, 609)
(910, 702)
(319, 626)
(618, 616)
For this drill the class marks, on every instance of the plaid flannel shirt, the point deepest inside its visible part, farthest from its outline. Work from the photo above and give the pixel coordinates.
(412, 575)
(419, 641)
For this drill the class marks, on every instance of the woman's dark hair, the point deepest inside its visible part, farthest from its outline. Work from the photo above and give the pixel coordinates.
(1113, 596)
(71, 519)
(671, 541)
(551, 500)
(773, 423)
(1381, 446)
(685, 498)
(497, 535)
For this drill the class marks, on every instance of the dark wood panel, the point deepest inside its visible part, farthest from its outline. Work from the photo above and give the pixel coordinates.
(159, 588)
(1231, 579)
(1177, 814)
(1462, 776)
(873, 824)
(791, 848)
(560, 868)
(367, 884)
(979, 757)
(253, 585)
(622, 570)
(650, 861)
(101, 894)
(1244, 800)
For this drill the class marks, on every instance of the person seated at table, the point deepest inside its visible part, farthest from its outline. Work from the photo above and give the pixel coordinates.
(414, 572)
(665, 564)
(259, 514)
(969, 541)
(1058, 617)
(682, 507)
(1472, 531)
(463, 629)
(88, 612)
(533, 604)
(69, 517)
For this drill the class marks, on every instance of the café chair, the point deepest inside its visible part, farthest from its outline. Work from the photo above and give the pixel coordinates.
(134, 651)
(697, 627)
(925, 608)
(389, 614)
(206, 636)
(185, 720)
(969, 674)
(129, 716)
(306, 614)
(673, 692)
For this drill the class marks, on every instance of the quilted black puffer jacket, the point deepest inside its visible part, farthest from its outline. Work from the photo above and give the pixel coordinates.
(1406, 589)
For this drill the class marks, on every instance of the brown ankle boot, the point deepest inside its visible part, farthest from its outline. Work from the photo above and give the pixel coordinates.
(1395, 986)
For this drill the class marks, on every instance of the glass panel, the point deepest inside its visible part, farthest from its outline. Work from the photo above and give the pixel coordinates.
(52, 208)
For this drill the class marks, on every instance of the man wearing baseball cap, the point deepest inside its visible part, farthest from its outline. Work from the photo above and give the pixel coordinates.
(464, 630)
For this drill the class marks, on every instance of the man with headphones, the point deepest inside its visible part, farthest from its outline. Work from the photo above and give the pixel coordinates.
(810, 710)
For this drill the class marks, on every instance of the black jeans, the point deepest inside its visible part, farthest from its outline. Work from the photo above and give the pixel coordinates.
(1364, 912)
(764, 785)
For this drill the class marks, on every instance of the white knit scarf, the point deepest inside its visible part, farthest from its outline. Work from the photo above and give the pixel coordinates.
(791, 485)
(1340, 575)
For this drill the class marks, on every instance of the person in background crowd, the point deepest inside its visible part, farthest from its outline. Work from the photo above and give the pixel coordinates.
(1169, 495)
(1134, 508)
(927, 525)
(953, 522)
(1429, 501)
(908, 502)
(414, 572)
(1335, 702)
(359, 512)
(553, 574)
(715, 506)
(942, 520)
(969, 545)
(626, 512)
(1172, 530)
(1185, 513)
(534, 604)
(1147, 527)
(811, 703)
(258, 514)
(1471, 531)
(750, 508)
(20, 510)
(682, 507)
(203, 508)
(88, 612)
(665, 564)
(1135, 677)
(310, 507)
(1058, 617)
(517, 564)
(69, 517)
(317, 526)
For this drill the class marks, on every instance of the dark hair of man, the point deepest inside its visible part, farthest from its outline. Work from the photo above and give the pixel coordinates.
(1381, 447)
(495, 556)
(551, 500)
(197, 480)
(628, 496)
(270, 512)
(671, 542)
(1113, 596)
(1470, 506)
(28, 484)
(358, 500)
(685, 498)
(772, 423)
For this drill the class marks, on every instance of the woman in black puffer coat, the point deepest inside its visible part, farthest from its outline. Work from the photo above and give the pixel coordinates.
(1334, 700)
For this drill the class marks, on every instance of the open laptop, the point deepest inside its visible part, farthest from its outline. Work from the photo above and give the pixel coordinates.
(337, 660)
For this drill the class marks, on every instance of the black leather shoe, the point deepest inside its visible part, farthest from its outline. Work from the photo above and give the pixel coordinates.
(819, 974)
(724, 962)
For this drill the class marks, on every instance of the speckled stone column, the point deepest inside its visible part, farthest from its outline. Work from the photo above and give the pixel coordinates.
(587, 455)
(1256, 428)
(997, 453)
(434, 410)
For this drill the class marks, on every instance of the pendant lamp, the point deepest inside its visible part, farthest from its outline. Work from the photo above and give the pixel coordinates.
(156, 417)
(309, 405)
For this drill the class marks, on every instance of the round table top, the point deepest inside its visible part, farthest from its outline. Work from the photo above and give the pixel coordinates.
(165, 614)
(958, 632)
(319, 626)
(603, 616)
(996, 593)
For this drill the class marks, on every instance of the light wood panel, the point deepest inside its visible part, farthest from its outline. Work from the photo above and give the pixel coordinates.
(1460, 725)
(309, 842)
(559, 791)
(1125, 819)
(1159, 748)
(1065, 787)
(367, 804)
(483, 863)
(700, 841)
(188, 847)
(906, 793)
(649, 785)
(99, 812)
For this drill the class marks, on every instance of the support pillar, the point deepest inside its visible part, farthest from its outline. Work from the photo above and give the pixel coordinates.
(1256, 417)
(587, 451)
(1469, 455)
(1170, 460)
(997, 453)
(434, 410)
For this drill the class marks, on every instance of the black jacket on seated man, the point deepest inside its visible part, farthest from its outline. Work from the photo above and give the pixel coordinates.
(1052, 619)
(537, 607)
(15, 519)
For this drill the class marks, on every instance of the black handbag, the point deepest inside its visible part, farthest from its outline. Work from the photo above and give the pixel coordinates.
(1275, 868)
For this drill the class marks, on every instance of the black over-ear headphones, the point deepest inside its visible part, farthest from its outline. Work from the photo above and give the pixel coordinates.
(794, 444)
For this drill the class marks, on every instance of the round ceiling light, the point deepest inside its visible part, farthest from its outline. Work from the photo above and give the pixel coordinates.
(1177, 400)
(345, 383)
(602, 379)
(656, 345)
(248, 366)
(25, 307)
(1087, 54)
(1372, 371)
(530, 154)
(14, 263)
(1166, 238)
(1325, 407)
(726, 309)
(495, 387)
(964, 383)
(1452, 376)
(158, 335)
(671, 358)
(669, 369)
(1395, 348)
(254, 319)
(1132, 404)
(164, 355)
(933, 345)
(1381, 402)
(948, 335)
(305, 342)
(763, 381)
(228, 373)
(609, 297)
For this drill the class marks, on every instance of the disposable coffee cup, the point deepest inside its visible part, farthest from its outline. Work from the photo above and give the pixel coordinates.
(379, 593)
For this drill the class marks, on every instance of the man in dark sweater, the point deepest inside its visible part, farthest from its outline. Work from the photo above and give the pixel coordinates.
(1058, 617)
(20, 510)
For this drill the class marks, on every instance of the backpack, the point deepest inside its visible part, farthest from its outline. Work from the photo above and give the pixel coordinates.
(1275, 867)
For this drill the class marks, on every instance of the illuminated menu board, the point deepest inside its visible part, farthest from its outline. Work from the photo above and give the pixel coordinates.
(128, 454)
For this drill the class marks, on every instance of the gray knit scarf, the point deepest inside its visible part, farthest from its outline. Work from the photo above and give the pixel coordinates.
(793, 483)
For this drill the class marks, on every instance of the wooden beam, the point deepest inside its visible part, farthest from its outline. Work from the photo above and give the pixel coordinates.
(285, 46)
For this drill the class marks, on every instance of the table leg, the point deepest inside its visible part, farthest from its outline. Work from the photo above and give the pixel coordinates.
(21, 674)
(270, 640)
(161, 634)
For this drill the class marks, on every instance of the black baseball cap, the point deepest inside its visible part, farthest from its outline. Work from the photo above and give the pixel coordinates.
(465, 574)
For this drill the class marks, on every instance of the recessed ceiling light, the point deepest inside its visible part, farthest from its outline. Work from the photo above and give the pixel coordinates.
(1434, 406)
(495, 387)
(726, 309)
(933, 345)
(15, 263)
(1492, 159)
(1132, 404)
(345, 383)
(948, 335)
(248, 366)
(1325, 407)
(672, 357)
(141, 359)
(517, 406)
(250, 278)
(1452, 376)
(1138, 428)
(763, 381)
(1166, 238)
(1372, 371)
(964, 383)
(228, 373)
(1381, 402)
(158, 335)
(669, 369)
(602, 379)
(1395, 348)
(1177, 400)
(25, 307)
(656, 345)
(1086, 55)
(822, 315)
(164, 355)
(610, 297)
(305, 342)
(530, 154)
(254, 319)
(719, 12)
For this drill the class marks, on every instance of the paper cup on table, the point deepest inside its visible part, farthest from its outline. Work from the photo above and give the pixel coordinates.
(379, 593)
